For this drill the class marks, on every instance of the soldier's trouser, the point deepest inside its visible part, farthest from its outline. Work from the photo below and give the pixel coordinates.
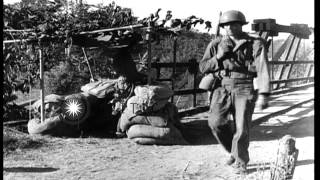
(236, 97)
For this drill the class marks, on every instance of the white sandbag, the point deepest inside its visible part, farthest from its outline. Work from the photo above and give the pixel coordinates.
(53, 126)
(150, 98)
(100, 88)
(36, 127)
(52, 105)
(160, 118)
(127, 119)
(141, 130)
(170, 133)
(156, 141)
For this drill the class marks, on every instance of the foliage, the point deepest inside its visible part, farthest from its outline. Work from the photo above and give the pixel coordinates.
(54, 26)
(64, 79)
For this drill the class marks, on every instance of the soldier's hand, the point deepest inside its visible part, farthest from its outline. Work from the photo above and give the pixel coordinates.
(262, 102)
(223, 51)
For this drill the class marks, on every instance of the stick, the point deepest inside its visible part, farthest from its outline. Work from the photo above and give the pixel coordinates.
(85, 55)
(185, 169)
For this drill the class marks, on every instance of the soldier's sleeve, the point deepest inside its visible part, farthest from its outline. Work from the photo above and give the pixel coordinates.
(209, 62)
(260, 60)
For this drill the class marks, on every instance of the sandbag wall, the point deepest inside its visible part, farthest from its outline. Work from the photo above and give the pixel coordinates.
(149, 118)
(95, 112)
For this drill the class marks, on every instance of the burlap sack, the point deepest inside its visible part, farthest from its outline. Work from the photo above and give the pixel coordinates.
(169, 134)
(53, 126)
(160, 118)
(150, 98)
(52, 105)
(156, 141)
(100, 88)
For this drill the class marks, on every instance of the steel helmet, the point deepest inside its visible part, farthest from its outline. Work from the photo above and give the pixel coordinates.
(232, 16)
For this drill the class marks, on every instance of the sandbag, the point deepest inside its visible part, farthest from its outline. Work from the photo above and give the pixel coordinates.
(156, 141)
(170, 133)
(53, 126)
(160, 118)
(100, 88)
(52, 105)
(137, 105)
(126, 120)
(150, 98)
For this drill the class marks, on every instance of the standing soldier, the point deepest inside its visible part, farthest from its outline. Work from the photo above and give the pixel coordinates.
(236, 59)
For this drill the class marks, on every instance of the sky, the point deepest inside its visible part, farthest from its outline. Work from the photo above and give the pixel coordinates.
(285, 12)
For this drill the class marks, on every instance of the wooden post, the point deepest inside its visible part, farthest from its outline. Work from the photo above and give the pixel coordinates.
(286, 159)
(272, 66)
(174, 64)
(194, 90)
(41, 86)
(148, 38)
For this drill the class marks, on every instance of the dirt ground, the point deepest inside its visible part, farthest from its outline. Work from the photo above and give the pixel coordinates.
(117, 159)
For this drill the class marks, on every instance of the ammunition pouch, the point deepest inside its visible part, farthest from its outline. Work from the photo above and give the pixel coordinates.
(209, 82)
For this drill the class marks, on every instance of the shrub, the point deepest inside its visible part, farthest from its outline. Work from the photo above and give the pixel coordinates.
(65, 79)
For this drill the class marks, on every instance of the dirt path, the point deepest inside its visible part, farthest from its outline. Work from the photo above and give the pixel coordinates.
(116, 159)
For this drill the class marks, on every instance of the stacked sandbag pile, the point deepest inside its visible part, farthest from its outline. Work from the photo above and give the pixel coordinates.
(149, 118)
(95, 111)
(53, 123)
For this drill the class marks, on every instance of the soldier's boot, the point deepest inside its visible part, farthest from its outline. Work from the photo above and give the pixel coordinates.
(240, 168)
(230, 161)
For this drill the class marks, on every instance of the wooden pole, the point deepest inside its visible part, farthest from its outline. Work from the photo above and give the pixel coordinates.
(41, 86)
(85, 56)
(114, 29)
(148, 38)
(16, 40)
(174, 64)
(194, 88)
(18, 30)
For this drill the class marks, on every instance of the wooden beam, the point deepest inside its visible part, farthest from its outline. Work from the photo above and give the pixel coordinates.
(291, 80)
(282, 67)
(293, 59)
(291, 62)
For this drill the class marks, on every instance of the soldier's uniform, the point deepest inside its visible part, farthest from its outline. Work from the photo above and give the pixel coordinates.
(235, 95)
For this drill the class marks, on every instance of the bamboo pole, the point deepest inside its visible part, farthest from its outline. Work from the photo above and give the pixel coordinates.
(18, 30)
(16, 40)
(114, 29)
(41, 86)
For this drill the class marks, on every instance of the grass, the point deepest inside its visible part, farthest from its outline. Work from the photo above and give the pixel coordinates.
(14, 141)
(33, 94)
